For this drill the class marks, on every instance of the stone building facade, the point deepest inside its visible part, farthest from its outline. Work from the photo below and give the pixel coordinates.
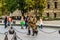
(52, 9)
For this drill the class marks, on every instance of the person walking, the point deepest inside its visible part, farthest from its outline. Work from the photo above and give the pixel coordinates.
(22, 23)
(33, 25)
(29, 25)
(10, 21)
(41, 23)
(5, 21)
(26, 21)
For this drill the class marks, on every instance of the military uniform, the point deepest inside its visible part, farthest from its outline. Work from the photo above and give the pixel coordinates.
(29, 22)
(34, 27)
(32, 24)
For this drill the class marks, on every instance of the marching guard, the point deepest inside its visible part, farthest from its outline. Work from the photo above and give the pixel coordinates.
(32, 23)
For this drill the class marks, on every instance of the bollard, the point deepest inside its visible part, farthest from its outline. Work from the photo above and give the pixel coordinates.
(11, 31)
(59, 31)
(15, 37)
(14, 22)
(6, 37)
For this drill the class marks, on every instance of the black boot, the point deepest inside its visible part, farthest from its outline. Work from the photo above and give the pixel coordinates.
(59, 31)
(33, 33)
(36, 32)
(15, 37)
(29, 32)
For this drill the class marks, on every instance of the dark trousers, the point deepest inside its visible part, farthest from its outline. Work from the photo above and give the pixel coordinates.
(8, 23)
(35, 32)
(5, 24)
(26, 25)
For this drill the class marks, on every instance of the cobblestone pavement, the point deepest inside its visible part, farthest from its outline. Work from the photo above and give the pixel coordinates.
(43, 34)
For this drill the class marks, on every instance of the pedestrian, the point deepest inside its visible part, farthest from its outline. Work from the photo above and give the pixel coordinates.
(33, 25)
(22, 23)
(29, 25)
(5, 21)
(41, 23)
(26, 21)
(10, 21)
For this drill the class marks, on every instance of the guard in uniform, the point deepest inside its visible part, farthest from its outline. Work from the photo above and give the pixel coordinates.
(30, 22)
(29, 32)
(33, 25)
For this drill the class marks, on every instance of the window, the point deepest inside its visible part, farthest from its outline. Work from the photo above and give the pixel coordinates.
(47, 14)
(55, 3)
(54, 15)
(48, 5)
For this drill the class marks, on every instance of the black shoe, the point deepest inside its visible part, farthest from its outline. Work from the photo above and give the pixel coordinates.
(36, 32)
(28, 34)
(33, 35)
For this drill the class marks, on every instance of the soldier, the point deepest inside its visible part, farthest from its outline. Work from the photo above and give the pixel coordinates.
(29, 32)
(33, 25)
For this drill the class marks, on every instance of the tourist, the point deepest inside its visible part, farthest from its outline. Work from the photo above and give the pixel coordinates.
(41, 23)
(5, 21)
(10, 21)
(26, 21)
(22, 23)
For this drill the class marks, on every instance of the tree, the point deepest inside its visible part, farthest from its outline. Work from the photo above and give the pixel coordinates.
(25, 5)
(29, 4)
(2, 8)
(36, 5)
(11, 6)
(41, 6)
(21, 5)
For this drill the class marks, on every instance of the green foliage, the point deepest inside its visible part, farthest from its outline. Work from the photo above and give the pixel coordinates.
(23, 5)
(11, 5)
(42, 4)
(29, 4)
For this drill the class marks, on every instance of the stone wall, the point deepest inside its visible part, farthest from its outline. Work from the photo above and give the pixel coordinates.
(52, 9)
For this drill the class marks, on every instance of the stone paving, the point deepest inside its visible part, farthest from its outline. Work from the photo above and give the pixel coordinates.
(41, 35)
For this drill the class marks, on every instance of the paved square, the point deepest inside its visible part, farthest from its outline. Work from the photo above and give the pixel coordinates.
(45, 34)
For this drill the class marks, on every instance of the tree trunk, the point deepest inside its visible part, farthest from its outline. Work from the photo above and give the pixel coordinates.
(22, 13)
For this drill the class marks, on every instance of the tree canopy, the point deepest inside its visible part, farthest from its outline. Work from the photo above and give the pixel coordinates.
(9, 6)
